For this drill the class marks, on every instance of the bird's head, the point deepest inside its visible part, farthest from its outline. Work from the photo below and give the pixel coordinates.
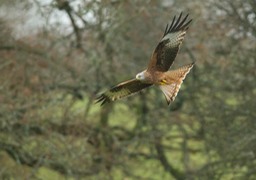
(140, 76)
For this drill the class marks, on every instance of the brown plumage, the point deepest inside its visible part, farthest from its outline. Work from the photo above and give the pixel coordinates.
(157, 71)
(121, 90)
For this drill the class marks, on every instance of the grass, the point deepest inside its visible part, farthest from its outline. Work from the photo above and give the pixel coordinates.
(121, 116)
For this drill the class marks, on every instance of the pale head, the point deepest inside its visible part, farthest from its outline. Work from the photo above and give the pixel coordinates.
(141, 76)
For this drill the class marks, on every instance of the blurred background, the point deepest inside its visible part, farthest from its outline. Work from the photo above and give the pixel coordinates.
(56, 56)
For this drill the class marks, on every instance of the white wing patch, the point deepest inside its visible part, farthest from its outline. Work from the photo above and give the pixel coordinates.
(177, 36)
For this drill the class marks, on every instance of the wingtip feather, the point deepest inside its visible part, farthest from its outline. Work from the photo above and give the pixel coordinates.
(102, 99)
(179, 24)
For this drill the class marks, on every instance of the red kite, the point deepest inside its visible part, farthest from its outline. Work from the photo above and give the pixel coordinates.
(157, 71)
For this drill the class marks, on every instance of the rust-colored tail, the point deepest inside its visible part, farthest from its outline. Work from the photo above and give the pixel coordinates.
(173, 80)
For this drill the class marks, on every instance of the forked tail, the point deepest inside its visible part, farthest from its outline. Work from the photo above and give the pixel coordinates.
(173, 80)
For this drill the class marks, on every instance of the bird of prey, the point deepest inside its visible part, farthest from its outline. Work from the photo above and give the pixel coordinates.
(157, 72)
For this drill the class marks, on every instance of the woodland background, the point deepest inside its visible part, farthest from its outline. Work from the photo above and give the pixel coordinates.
(56, 56)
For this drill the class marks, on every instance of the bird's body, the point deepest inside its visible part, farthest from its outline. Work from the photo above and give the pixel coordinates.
(150, 77)
(157, 71)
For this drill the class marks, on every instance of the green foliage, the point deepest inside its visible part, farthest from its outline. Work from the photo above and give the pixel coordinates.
(50, 127)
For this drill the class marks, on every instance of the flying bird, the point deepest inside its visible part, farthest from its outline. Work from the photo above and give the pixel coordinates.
(157, 72)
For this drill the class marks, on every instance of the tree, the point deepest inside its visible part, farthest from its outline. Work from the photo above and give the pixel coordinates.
(51, 128)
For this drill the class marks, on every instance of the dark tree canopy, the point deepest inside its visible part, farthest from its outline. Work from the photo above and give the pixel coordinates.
(57, 56)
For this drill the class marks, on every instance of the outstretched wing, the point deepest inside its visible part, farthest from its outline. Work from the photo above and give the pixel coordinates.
(167, 49)
(122, 90)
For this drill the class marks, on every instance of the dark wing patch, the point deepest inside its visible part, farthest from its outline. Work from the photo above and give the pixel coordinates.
(121, 90)
(167, 49)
